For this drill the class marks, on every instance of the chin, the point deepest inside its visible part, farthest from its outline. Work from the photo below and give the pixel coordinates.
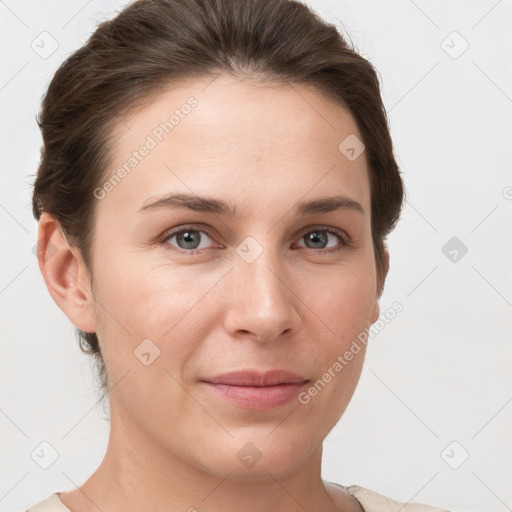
(256, 457)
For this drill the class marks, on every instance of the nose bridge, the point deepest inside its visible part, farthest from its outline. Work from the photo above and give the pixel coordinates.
(265, 272)
(260, 265)
(262, 301)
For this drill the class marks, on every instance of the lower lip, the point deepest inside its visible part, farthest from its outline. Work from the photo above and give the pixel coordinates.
(262, 397)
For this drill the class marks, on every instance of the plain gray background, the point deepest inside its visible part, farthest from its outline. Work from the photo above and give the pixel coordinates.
(431, 418)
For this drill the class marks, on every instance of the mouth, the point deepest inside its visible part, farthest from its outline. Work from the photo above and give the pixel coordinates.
(252, 389)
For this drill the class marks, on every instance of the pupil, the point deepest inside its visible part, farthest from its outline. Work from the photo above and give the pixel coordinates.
(316, 238)
(189, 238)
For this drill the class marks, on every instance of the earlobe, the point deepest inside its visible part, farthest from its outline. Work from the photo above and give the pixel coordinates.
(65, 274)
(376, 312)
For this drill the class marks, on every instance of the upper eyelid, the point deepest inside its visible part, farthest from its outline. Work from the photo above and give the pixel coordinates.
(173, 232)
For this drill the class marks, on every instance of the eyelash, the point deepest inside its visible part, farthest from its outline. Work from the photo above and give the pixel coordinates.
(344, 239)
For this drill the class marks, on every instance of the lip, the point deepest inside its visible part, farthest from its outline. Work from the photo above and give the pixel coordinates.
(257, 378)
(251, 389)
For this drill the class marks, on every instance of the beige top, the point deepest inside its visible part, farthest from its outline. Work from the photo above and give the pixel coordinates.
(370, 501)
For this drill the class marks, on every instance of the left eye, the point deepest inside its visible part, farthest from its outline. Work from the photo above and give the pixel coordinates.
(320, 237)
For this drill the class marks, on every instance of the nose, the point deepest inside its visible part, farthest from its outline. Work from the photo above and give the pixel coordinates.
(261, 301)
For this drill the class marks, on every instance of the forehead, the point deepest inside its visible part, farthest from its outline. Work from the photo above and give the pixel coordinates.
(257, 138)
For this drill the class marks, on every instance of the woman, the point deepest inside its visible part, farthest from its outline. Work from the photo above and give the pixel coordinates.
(214, 196)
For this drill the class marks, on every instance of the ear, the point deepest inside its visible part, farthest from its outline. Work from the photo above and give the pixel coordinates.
(376, 310)
(65, 274)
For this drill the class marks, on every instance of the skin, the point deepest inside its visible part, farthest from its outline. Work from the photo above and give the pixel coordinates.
(173, 444)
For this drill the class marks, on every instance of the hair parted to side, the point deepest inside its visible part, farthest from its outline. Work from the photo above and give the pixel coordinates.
(152, 44)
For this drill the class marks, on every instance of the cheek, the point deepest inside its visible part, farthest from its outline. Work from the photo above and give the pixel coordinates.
(323, 402)
(344, 308)
(344, 300)
(166, 304)
(343, 305)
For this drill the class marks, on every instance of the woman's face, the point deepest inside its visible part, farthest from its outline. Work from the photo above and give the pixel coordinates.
(257, 281)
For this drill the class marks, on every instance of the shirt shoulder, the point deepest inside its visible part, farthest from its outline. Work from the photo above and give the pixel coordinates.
(372, 501)
(50, 504)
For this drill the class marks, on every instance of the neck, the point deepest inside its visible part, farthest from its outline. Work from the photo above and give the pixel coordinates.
(137, 474)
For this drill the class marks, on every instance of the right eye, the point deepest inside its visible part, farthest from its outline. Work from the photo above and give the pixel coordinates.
(188, 240)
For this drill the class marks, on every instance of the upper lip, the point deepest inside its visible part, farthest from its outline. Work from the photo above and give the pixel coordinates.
(257, 378)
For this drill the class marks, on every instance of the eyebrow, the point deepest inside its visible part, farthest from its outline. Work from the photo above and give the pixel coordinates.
(221, 207)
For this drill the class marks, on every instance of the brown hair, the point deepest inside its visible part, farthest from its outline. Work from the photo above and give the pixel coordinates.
(152, 44)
